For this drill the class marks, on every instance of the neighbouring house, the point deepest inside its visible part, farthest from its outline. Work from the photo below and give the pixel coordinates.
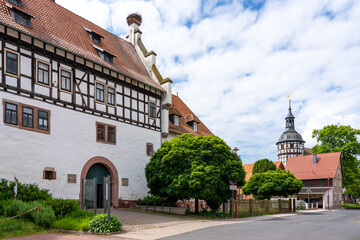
(322, 176)
(183, 120)
(290, 143)
(248, 170)
(78, 102)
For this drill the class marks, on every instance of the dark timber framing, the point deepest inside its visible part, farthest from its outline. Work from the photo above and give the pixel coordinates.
(132, 97)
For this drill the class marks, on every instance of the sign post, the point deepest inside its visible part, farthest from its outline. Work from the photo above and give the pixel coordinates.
(232, 187)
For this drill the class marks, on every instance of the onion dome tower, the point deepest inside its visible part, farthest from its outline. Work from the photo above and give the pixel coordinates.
(290, 143)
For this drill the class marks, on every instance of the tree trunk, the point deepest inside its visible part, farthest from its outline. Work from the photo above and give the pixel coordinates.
(196, 206)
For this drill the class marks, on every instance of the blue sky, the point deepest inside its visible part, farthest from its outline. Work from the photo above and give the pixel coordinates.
(234, 62)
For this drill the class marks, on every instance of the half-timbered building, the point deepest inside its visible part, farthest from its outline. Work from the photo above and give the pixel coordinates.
(77, 101)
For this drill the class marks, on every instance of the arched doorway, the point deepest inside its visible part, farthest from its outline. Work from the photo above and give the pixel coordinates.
(98, 171)
(100, 167)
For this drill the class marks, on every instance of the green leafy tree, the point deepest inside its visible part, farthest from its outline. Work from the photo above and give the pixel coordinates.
(272, 183)
(194, 167)
(263, 165)
(339, 138)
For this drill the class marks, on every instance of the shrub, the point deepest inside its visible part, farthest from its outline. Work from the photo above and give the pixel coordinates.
(4, 203)
(351, 206)
(100, 224)
(81, 213)
(63, 207)
(17, 207)
(46, 214)
(26, 192)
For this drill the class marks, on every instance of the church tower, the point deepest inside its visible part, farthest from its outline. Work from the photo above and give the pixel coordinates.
(290, 143)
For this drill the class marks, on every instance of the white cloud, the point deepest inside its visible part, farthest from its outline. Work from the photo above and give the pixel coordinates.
(233, 66)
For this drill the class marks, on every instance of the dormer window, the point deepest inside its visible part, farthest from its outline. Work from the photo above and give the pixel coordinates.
(16, 2)
(20, 17)
(193, 125)
(175, 119)
(95, 38)
(105, 56)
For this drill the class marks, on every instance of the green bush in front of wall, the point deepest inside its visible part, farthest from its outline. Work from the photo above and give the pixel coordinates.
(100, 224)
(62, 207)
(26, 192)
(45, 217)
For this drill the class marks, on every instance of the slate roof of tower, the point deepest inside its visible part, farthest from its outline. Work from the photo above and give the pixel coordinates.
(56, 25)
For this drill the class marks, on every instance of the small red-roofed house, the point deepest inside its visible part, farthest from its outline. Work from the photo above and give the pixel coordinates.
(322, 176)
(248, 170)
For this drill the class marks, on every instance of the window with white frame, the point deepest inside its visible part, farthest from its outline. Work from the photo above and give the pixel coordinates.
(65, 80)
(111, 96)
(12, 62)
(176, 120)
(43, 73)
(152, 110)
(100, 89)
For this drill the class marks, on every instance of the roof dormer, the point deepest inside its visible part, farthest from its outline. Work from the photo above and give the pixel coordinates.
(191, 121)
(106, 56)
(16, 2)
(95, 37)
(18, 14)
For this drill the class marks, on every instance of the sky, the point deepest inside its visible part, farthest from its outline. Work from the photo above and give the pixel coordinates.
(235, 62)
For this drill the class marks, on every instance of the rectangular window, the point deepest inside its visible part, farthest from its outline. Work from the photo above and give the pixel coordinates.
(27, 117)
(65, 80)
(111, 96)
(105, 133)
(96, 38)
(149, 149)
(43, 120)
(100, 135)
(43, 73)
(176, 120)
(12, 62)
(152, 110)
(105, 56)
(100, 92)
(49, 173)
(11, 115)
(111, 134)
(193, 125)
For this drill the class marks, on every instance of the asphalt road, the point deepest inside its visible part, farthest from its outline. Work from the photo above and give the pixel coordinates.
(337, 224)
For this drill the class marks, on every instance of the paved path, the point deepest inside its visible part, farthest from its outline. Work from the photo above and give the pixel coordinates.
(331, 225)
(148, 226)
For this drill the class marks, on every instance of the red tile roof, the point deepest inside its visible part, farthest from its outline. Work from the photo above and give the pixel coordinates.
(279, 164)
(249, 168)
(303, 168)
(58, 26)
(179, 108)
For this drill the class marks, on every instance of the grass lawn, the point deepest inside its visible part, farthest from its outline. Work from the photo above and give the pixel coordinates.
(19, 227)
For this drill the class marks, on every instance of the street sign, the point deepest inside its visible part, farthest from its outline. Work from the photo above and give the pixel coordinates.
(233, 187)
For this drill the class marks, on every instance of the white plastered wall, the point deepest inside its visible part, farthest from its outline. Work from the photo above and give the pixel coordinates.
(70, 144)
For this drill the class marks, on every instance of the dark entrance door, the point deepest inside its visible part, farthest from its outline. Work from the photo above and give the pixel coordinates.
(98, 171)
